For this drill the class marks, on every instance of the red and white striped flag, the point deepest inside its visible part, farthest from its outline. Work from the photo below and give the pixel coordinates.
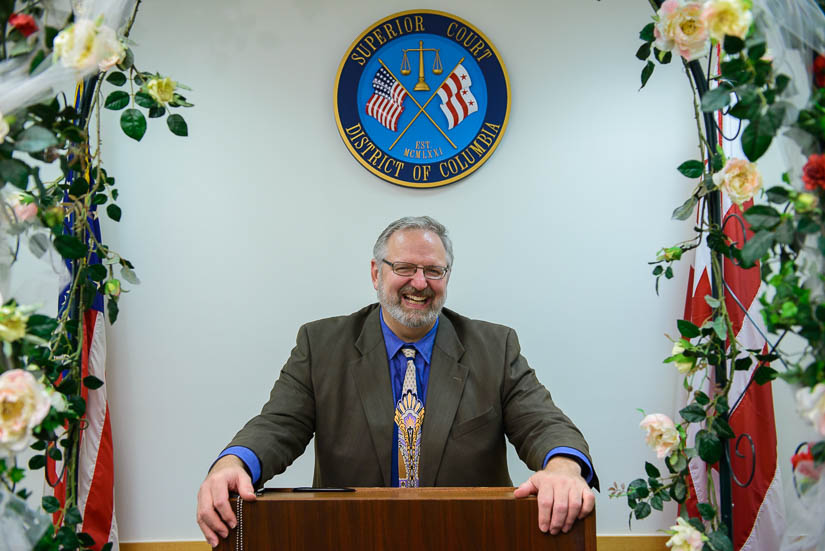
(387, 100)
(457, 101)
(758, 510)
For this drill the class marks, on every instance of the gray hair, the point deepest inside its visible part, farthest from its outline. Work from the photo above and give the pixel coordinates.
(379, 251)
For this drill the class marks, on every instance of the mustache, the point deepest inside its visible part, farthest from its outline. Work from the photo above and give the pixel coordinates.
(410, 290)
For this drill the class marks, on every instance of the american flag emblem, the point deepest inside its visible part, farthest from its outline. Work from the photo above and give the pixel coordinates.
(387, 101)
(457, 101)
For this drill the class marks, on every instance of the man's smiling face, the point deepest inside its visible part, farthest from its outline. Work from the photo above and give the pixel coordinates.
(413, 302)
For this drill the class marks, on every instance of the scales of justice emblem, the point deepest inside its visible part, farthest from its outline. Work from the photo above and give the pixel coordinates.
(407, 119)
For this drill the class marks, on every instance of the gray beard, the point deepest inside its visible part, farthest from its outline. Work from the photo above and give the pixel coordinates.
(409, 318)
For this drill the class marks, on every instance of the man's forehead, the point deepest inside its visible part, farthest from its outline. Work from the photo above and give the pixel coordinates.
(415, 237)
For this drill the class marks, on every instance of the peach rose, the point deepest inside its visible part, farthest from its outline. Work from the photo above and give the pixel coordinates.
(680, 26)
(685, 537)
(24, 403)
(739, 179)
(24, 208)
(810, 404)
(662, 435)
(726, 17)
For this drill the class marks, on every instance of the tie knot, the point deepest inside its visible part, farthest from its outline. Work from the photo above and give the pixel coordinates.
(408, 352)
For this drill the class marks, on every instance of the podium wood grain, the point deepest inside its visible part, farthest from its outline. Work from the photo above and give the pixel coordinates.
(392, 519)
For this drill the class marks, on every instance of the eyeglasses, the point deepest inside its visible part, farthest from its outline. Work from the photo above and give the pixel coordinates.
(407, 269)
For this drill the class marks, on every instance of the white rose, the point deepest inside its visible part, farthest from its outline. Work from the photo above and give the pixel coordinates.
(726, 17)
(24, 403)
(685, 537)
(685, 366)
(810, 404)
(87, 45)
(4, 128)
(662, 435)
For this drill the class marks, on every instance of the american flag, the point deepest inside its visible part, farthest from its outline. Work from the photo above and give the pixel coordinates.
(387, 101)
(758, 510)
(95, 462)
(457, 101)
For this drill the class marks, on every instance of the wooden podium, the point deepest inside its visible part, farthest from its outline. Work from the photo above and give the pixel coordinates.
(393, 519)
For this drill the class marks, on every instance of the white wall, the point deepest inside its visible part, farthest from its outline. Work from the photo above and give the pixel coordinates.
(261, 220)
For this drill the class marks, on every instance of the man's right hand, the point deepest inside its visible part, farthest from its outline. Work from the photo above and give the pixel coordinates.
(215, 515)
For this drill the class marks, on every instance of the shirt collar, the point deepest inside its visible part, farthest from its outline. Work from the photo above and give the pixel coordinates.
(423, 346)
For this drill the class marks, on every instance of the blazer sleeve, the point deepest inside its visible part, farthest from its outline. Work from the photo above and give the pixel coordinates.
(532, 422)
(281, 432)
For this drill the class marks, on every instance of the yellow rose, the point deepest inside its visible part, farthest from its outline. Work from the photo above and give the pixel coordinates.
(685, 366)
(12, 324)
(726, 17)
(739, 180)
(162, 90)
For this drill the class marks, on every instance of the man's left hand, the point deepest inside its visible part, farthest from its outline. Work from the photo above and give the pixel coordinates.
(562, 494)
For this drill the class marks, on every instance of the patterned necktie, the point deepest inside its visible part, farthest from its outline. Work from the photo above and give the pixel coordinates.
(409, 416)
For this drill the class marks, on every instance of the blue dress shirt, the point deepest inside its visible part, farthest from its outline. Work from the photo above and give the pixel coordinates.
(398, 367)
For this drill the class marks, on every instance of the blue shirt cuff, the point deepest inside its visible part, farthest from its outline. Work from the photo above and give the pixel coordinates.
(573, 454)
(253, 464)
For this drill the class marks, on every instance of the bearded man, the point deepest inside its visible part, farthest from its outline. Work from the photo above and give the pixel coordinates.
(407, 393)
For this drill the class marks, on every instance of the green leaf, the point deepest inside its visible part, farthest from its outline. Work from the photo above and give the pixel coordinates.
(646, 72)
(757, 138)
(55, 453)
(692, 169)
(717, 98)
(70, 247)
(78, 187)
(746, 109)
(107, 547)
(687, 329)
(720, 327)
(644, 51)
(145, 100)
(129, 275)
(638, 488)
(686, 210)
(778, 194)
(35, 139)
(97, 272)
(709, 446)
(719, 541)
(37, 462)
(678, 491)
(117, 78)
(15, 172)
(72, 516)
(112, 310)
(694, 413)
(723, 429)
(177, 125)
(818, 451)
(50, 504)
(707, 511)
(99, 199)
(92, 383)
(641, 510)
(85, 539)
(116, 100)
(808, 225)
(742, 364)
(646, 33)
(114, 212)
(36, 61)
(127, 61)
(656, 502)
(762, 217)
(781, 82)
(157, 111)
(733, 44)
(756, 247)
(764, 374)
(651, 470)
(133, 124)
(41, 326)
(756, 50)
(712, 302)
(662, 57)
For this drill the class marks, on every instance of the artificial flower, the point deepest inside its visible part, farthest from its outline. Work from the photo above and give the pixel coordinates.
(12, 323)
(726, 17)
(162, 90)
(810, 404)
(805, 202)
(23, 207)
(813, 173)
(679, 25)
(23, 405)
(687, 364)
(662, 435)
(685, 537)
(819, 71)
(24, 23)
(112, 287)
(88, 44)
(4, 128)
(739, 179)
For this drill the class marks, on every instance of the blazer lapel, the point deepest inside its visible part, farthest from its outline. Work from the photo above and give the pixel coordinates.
(444, 389)
(372, 378)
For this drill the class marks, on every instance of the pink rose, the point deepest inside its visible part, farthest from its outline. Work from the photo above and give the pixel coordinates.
(681, 26)
(23, 210)
(810, 404)
(739, 179)
(24, 403)
(662, 435)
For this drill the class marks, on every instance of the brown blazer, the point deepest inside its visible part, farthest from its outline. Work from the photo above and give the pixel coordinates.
(336, 385)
